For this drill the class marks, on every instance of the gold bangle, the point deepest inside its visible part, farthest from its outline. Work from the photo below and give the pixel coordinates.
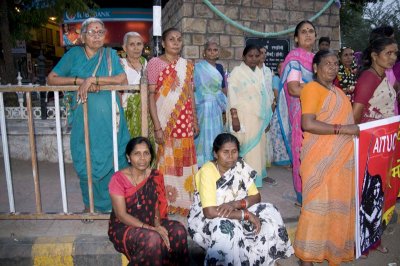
(76, 77)
(97, 80)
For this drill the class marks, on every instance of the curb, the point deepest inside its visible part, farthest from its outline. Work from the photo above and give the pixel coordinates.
(83, 250)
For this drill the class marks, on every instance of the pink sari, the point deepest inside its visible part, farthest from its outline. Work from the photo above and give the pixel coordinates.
(298, 60)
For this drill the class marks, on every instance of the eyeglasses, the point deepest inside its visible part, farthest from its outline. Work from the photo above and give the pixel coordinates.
(92, 33)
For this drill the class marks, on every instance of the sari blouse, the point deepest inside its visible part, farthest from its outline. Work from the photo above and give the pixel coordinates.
(377, 95)
(121, 186)
(206, 184)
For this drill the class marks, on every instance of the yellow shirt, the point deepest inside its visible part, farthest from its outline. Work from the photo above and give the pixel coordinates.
(206, 184)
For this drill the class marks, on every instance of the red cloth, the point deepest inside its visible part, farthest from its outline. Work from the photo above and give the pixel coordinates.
(121, 185)
(365, 87)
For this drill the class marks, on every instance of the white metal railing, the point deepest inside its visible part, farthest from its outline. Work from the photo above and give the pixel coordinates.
(28, 113)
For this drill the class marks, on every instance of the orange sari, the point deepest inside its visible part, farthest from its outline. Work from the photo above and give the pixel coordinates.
(177, 156)
(326, 226)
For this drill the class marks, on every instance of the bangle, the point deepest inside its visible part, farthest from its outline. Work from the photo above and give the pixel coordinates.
(155, 130)
(243, 204)
(76, 77)
(142, 225)
(336, 129)
(242, 219)
(97, 80)
(246, 215)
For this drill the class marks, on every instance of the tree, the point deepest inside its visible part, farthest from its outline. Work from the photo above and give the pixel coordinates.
(358, 18)
(25, 15)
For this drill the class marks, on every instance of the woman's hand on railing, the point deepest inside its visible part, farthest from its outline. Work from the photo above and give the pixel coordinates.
(88, 85)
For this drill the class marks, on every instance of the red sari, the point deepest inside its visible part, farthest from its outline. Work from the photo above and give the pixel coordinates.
(176, 158)
(143, 246)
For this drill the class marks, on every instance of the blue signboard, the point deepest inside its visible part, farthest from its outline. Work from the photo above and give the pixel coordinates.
(113, 14)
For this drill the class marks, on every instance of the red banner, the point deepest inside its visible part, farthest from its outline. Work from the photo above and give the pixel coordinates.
(377, 179)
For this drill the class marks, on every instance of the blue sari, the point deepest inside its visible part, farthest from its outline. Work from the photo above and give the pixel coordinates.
(210, 103)
(75, 63)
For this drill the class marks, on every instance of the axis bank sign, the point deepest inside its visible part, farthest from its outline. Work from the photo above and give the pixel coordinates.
(82, 16)
(112, 14)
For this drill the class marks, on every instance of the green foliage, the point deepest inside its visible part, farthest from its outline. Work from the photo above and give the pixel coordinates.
(358, 18)
(25, 15)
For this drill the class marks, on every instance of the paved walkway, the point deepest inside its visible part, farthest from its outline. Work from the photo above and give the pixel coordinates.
(52, 238)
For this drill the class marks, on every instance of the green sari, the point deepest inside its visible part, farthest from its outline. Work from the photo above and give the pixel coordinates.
(75, 63)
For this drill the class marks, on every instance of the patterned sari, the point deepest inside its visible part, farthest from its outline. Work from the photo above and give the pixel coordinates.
(230, 242)
(144, 246)
(289, 110)
(177, 156)
(326, 226)
(382, 103)
(247, 94)
(210, 103)
(132, 102)
(104, 63)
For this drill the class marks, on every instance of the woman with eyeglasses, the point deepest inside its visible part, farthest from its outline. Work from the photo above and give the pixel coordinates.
(89, 66)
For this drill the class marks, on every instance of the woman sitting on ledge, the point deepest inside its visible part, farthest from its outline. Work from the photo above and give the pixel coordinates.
(227, 218)
(139, 226)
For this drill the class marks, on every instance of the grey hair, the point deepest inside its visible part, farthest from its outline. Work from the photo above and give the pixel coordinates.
(209, 43)
(131, 34)
(89, 21)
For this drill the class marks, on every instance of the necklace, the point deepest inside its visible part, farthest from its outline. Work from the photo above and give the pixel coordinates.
(135, 183)
(169, 60)
(137, 69)
(377, 73)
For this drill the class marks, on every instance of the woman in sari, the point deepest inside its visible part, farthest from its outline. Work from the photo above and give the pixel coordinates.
(250, 111)
(326, 225)
(267, 73)
(374, 96)
(139, 226)
(134, 66)
(172, 110)
(297, 70)
(209, 84)
(346, 78)
(228, 219)
(90, 66)
(280, 156)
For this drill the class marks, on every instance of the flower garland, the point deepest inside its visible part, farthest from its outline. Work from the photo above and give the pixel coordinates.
(347, 76)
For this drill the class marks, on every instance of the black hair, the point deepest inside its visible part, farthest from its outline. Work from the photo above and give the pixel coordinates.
(324, 39)
(250, 47)
(223, 138)
(376, 46)
(139, 140)
(300, 24)
(381, 32)
(167, 31)
(320, 55)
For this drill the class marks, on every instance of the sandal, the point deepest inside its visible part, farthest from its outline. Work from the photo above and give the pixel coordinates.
(270, 181)
(86, 220)
(364, 256)
(382, 249)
